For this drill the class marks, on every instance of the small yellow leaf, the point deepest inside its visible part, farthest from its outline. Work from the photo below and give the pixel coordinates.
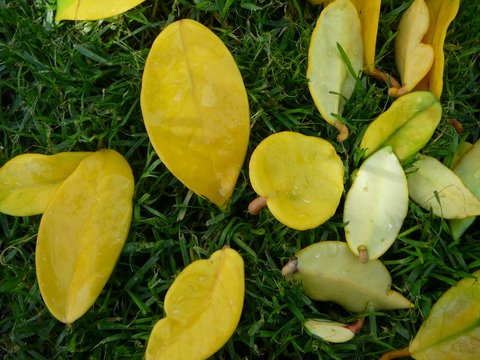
(28, 181)
(434, 186)
(330, 331)
(406, 126)
(195, 109)
(300, 176)
(92, 9)
(202, 308)
(330, 81)
(452, 329)
(442, 13)
(329, 271)
(413, 57)
(82, 232)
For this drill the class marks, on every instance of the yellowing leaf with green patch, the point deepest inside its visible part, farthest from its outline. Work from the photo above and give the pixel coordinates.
(442, 13)
(406, 126)
(92, 9)
(468, 170)
(28, 181)
(330, 80)
(452, 328)
(195, 109)
(413, 56)
(202, 308)
(82, 233)
(435, 187)
(376, 204)
(329, 271)
(301, 178)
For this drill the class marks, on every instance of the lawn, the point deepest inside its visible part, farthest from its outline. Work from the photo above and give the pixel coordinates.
(75, 86)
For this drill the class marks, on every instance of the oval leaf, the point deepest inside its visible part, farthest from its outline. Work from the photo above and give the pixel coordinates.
(82, 233)
(406, 126)
(300, 176)
(92, 9)
(434, 186)
(330, 80)
(413, 57)
(195, 109)
(330, 331)
(452, 329)
(28, 181)
(329, 271)
(381, 187)
(202, 307)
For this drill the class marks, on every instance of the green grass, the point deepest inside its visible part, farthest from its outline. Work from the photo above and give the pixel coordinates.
(75, 86)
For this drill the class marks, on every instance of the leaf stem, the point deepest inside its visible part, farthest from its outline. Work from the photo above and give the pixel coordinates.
(395, 354)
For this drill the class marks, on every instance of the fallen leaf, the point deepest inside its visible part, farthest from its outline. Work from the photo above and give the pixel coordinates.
(202, 307)
(92, 9)
(435, 187)
(329, 271)
(301, 178)
(376, 204)
(406, 126)
(330, 331)
(330, 80)
(195, 109)
(82, 232)
(28, 181)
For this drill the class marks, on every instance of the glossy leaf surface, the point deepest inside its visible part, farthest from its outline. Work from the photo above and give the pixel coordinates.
(28, 181)
(82, 232)
(195, 109)
(434, 186)
(329, 271)
(452, 329)
(300, 176)
(330, 81)
(442, 13)
(468, 170)
(413, 56)
(202, 307)
(406, 126)
(330, 331)
(376, 204)
(92, 9)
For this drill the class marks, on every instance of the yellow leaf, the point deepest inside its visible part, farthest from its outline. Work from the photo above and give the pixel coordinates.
(329, 271)
(300, 176)
(330, 331)
(330, 81)
(452, 329)
(28, 181)
(442, 13)
(406, 126)
(413, 57)
(434, 186)
(380, 186)
(92, 9)
(202, 307)
(195, 109)
(82, 233)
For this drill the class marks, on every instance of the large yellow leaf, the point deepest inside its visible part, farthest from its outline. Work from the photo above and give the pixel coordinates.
(28, 181)
(380, 186)
(329, 271)
(452, 329)
(330, 81)
(195, 109)
(300, 176)
(202, 308)
(406, 126)
(82, 232)
(92, 9)
(413, 56)
(434, 186)
(442, 13)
